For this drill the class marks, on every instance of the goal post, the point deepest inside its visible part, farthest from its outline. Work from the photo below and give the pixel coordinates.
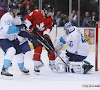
(97, 45)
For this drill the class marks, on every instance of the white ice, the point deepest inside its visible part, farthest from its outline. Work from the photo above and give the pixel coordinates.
(48, 80)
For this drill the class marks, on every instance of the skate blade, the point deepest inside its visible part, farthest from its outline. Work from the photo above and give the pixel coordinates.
(54, 70)
(41, 66)
(36, 73)
(26, 73)
(7, 77)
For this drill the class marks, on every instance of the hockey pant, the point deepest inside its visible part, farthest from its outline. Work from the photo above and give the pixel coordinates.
(74, 57)
(12, 48)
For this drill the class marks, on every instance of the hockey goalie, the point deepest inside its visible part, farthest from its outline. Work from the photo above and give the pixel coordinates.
(76, 52)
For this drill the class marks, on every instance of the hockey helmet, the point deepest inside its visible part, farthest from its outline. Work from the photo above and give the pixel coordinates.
(68, 27)
(50, 10)
(13, 5)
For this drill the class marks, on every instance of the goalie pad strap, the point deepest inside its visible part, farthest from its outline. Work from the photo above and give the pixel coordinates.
(75, 67)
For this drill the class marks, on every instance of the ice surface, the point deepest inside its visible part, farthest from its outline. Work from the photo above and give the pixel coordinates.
(47, 80)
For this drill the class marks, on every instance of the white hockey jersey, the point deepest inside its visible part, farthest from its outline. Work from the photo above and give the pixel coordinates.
(7, 27)
(75, 43)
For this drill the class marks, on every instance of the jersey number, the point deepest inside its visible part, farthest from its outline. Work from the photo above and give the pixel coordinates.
(83, 39)
(30, 13)
(7, 22)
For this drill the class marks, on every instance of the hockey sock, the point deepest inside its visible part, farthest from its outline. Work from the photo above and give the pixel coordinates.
(51, 56)
(37, 53)
(6, 63)
(21, 65)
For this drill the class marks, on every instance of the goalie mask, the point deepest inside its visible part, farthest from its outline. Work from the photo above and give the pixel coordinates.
(68, 27)
(48, 10)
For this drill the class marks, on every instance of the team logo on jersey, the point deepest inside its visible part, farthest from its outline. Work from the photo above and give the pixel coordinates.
(71, 43)
(41, 26)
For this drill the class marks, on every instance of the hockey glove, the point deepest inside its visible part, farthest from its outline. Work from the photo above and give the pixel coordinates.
(31, 39)
(25, 34)
(35, 30)
(22, 26)
(48, 41)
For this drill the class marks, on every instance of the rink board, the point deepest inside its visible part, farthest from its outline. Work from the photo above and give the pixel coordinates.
(59, 31)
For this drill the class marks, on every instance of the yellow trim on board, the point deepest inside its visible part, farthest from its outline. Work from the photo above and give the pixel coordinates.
(91, 48)
(64, 47)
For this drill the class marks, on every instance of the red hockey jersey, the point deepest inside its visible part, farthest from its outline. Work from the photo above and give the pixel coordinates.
(39, 21)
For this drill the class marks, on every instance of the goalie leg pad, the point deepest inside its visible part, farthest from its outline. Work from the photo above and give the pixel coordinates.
(58, 46)
(75, 67)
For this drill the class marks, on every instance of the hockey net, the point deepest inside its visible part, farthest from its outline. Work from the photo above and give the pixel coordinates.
(97, 46)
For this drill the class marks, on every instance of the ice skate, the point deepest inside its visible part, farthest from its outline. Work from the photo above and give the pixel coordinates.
(36, 67)
(41, 64)
(87, 68)
(36, 70)
(52, 66)
(24, 70)
(5, 72)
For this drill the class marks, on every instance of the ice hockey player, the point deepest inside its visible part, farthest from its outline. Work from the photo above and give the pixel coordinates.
(41, 21)
(77, 47)
(10, 41)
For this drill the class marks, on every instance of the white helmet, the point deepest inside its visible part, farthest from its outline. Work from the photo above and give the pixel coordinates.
(68, 27)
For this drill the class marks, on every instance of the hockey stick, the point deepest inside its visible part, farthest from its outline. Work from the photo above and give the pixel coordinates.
(40, 40)
(48, 47)
(45, 43)
(55, 28)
